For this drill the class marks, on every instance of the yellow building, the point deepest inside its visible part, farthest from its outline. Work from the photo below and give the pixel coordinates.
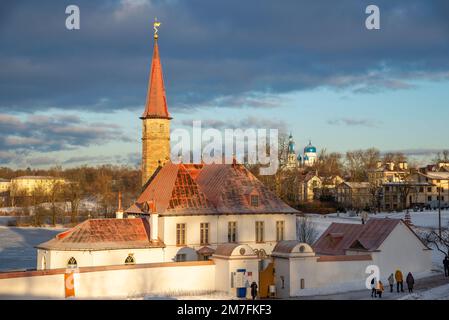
(28, 185)
(4, 185)
(437, 191)
(388, 172)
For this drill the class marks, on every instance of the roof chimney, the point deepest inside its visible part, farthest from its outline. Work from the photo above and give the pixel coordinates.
(119, 212)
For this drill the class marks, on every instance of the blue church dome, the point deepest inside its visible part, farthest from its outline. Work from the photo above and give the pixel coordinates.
(310, 148)
(299, 158)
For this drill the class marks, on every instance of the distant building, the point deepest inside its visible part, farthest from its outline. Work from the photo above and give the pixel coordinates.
(5, 185)
(26, 185)
(310, 185)
(354, 195)
(388, 172)
(434, 190)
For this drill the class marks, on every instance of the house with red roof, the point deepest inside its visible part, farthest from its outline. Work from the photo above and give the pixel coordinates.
(342, 254)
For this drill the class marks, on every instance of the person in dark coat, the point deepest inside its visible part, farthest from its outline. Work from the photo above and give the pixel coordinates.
(410, 282)
(446, 266)
(373, 288)
(254, 290)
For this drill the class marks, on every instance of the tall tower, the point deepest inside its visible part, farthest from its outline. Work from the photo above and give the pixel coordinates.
(156, 119)
(292, 161)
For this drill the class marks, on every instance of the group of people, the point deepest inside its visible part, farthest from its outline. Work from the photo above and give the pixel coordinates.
(377, 287)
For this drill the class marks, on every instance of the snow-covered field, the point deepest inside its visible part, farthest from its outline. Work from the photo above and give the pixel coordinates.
(17, 246)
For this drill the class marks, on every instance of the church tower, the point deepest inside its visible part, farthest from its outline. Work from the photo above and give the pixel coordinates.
(156, 119)
(292, 161)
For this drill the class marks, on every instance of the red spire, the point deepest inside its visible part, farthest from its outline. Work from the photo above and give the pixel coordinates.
(156, 104)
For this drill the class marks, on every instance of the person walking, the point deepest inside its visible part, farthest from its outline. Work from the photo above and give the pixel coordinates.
(254, 290)
(379, 288)
(364, 216)
(446, 266)
(410, 282)
(391, 282)
(399, 280)
(373, 288)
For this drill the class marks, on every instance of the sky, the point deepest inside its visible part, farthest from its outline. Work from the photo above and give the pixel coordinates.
(74, 97)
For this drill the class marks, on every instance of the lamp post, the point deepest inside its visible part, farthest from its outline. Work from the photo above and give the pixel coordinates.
(439, 211)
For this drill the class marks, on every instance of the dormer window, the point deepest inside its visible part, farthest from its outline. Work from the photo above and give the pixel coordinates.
(254, 200)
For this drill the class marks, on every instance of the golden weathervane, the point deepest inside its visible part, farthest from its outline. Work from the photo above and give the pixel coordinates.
(156, 25)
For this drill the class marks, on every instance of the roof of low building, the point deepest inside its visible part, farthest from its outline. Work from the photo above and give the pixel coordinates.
(439, 175)
(357, 185)
(35, 178)
(104, 234)
(340, 237)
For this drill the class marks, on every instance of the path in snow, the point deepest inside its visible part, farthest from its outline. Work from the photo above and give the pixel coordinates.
(433, 287)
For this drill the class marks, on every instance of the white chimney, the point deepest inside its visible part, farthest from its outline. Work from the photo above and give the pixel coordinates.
(379, 164)
(401, 165)
(154, 232)
(119, 212)
(405, 166)
(152, 217)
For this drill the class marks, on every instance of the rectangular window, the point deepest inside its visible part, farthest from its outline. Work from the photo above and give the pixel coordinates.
(254, 200)
(181, 257)
(232, 231)
(180, 234)
(279, 230)
(204, 233)
(259, 231)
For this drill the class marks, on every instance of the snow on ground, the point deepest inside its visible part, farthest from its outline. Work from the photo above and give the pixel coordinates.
(438, 293)
(207, 296)
(17, 246)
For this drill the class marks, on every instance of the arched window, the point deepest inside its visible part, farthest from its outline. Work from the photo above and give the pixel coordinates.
(72, 263)
(130, 259)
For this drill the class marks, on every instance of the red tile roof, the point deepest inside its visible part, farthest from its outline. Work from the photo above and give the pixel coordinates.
(340, 237)
(208, 189)
(104, 234)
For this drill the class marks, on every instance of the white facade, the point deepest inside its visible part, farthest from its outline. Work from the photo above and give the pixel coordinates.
(218, 234)
(297, 273)
(57, 259)
(218, 231)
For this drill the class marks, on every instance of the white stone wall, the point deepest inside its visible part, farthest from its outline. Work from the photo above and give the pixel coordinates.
(122, 283)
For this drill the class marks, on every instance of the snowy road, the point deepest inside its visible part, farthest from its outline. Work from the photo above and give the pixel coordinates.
(430, 288)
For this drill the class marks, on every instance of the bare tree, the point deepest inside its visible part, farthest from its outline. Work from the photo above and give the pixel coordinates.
(440, 243)
(306, 230)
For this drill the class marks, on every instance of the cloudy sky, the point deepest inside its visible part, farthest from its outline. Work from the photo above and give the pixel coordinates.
(309, 67)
